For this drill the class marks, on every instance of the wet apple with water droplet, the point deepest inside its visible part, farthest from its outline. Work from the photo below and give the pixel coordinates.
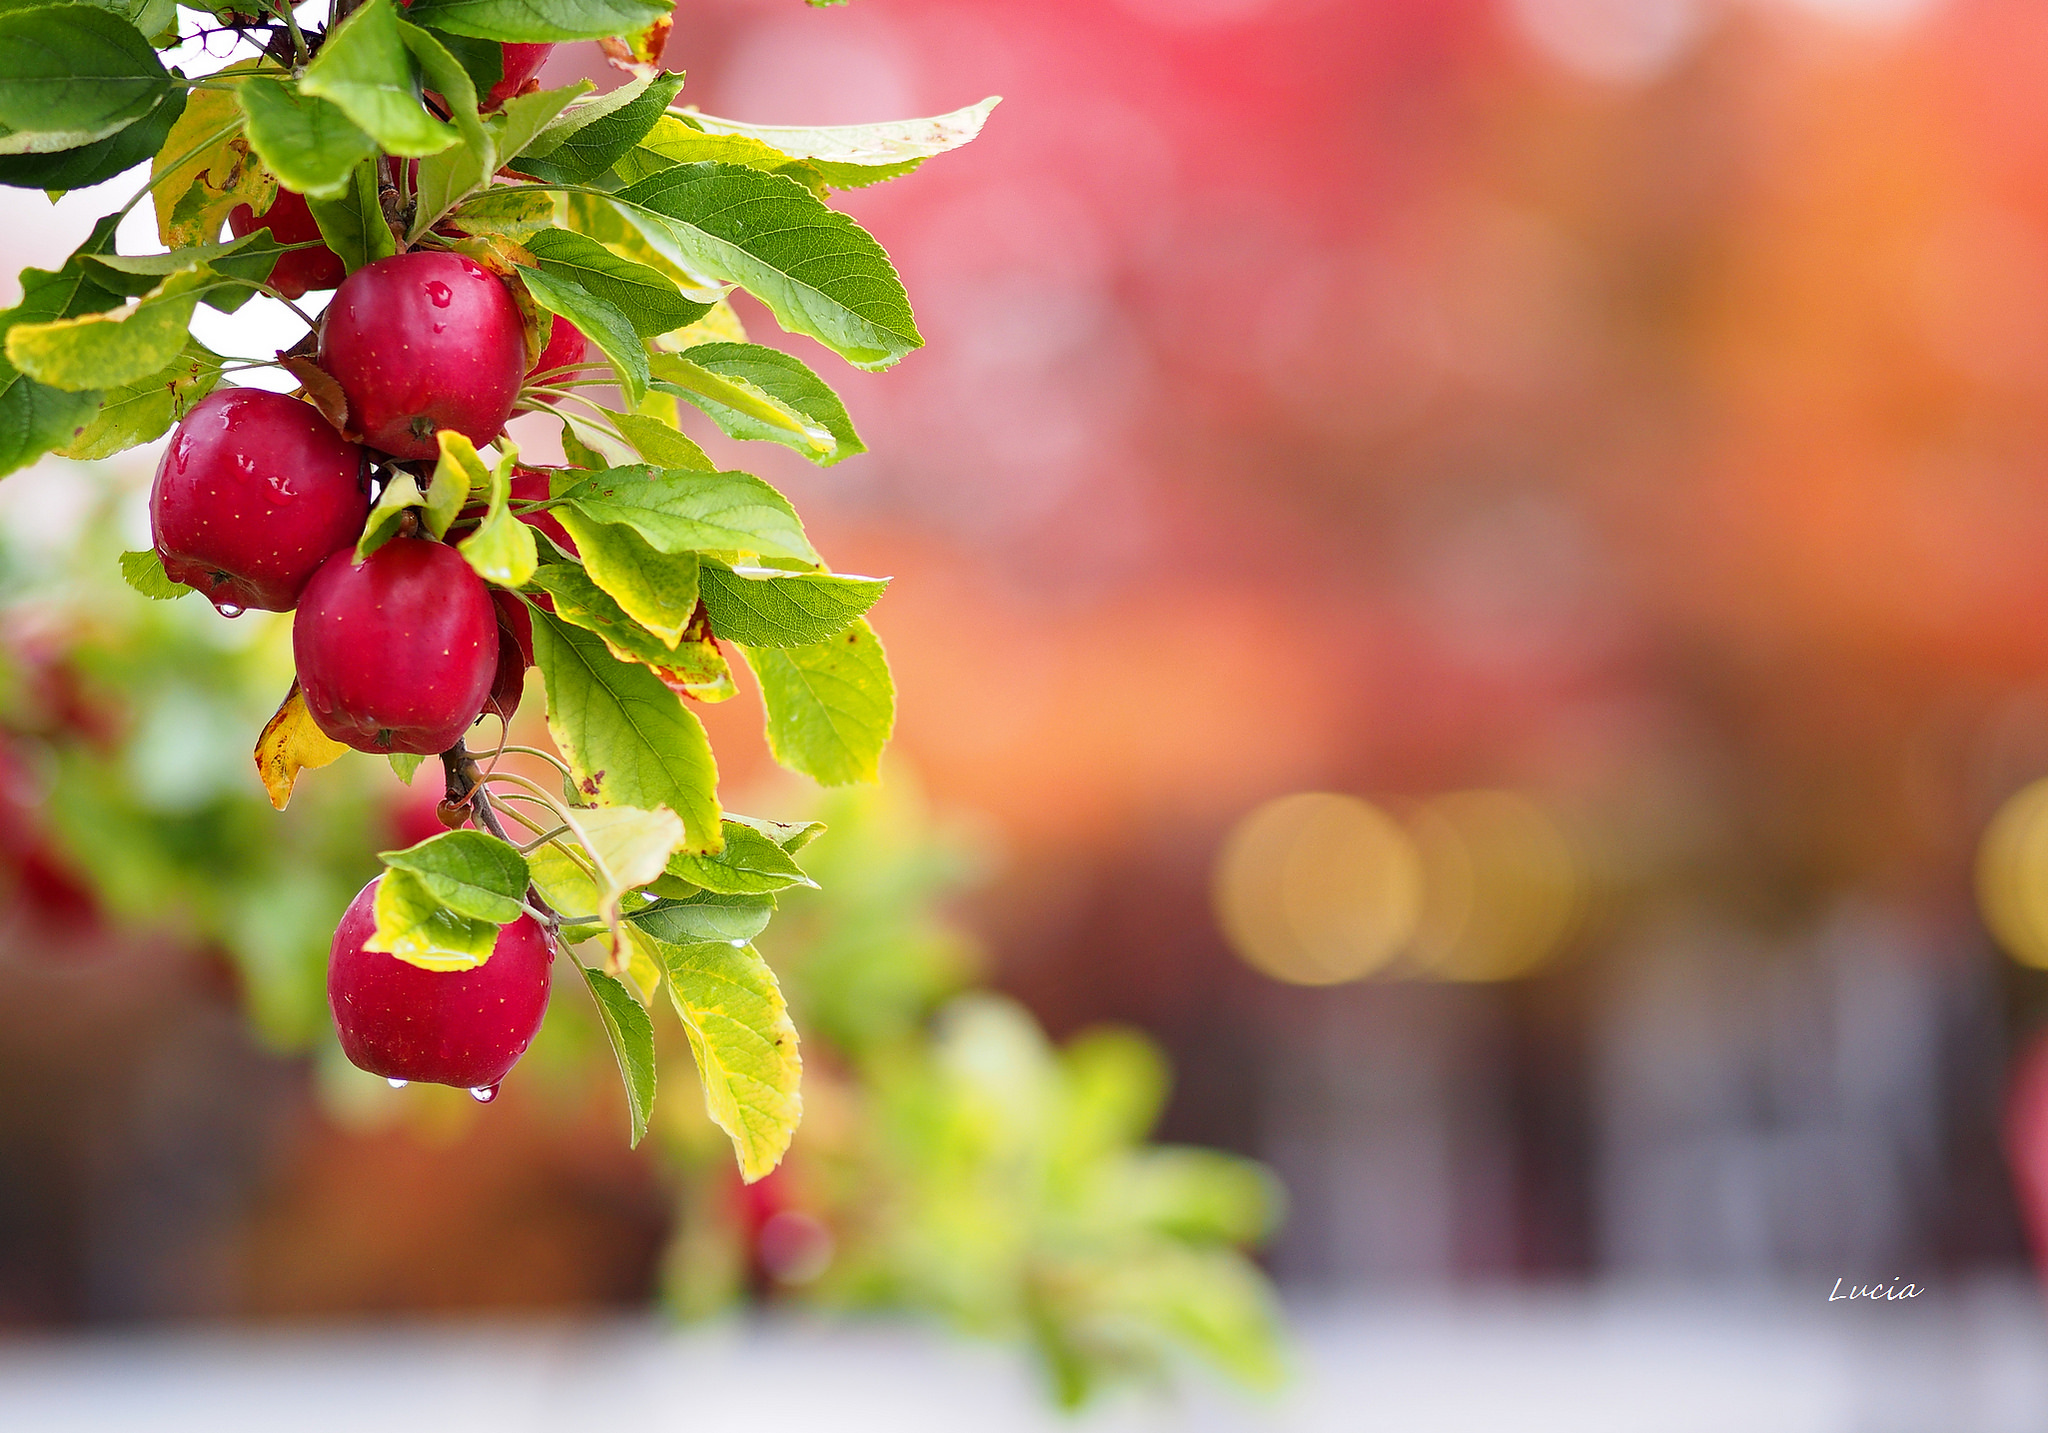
(396, 652)
(465, 1028)
(423, 341)
(252, 495)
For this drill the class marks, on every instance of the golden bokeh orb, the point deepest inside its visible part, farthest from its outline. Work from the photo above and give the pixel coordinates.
(1504, 887)
(2012, 876)
(1318, 888)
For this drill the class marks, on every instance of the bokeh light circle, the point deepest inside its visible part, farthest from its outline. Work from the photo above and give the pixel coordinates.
(2012, 876)
(1318, 889)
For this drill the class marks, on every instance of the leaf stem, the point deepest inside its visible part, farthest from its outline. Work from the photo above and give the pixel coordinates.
(284, 7)
(535, 787)
(312, 324)
(547, 756)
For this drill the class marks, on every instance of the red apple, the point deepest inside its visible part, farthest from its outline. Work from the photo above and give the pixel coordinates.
(446, 1027)
(522, 63)
(291, 222)
(423, 341)
(566, 348)
(254, 492)
(515, 652)
(396, 652)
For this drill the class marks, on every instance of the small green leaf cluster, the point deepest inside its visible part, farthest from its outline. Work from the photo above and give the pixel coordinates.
(973, 1170)
(644, 562)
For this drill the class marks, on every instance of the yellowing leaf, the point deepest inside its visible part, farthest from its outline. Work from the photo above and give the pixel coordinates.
(656, 589)
(418, 929)
(290, 743)
(201, 144)
(744, 1043)
(105, 350)
(628, 847)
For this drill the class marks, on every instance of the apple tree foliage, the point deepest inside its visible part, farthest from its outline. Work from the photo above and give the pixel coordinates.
(635, 220)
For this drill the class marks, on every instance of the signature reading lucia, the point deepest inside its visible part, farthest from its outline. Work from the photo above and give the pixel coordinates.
(1890, 1293)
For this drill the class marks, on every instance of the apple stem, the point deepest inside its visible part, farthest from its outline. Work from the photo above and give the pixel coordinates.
(465, 787)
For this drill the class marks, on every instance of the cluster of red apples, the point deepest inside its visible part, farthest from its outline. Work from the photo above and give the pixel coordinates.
(259, 502)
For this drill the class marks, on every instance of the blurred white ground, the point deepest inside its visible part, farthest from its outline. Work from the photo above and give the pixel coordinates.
(1640, 1361)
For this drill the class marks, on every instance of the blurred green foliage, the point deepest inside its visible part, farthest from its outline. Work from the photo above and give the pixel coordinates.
(136, 719)
(954, 1161)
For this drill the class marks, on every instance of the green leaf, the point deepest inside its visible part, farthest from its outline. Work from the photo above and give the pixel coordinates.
(144, 410)
(819, 272)
(601, 321)
(400, 493)
(501, 550)
(628, 739)
(627, 846)
(458, 472)
(353, 223)
(789, 609)
(656, 589)
(71, 75)
(405, 764)
(724, 398)
(514, 211)
(308, 143)
(598, 218)
(749, 864)
(562, 883)
(745, 1045)
(249, 258)
(366, 68)
(473, 873)
(830, 706)
(98, 350)
(593, 136)
(661, 444)
(631, 1032)
(415, 927)
(520, 120)
(34, 418)
(755, 392)
(646, 296)
(854, 155)
(446, 178)
(685, 511)
(579, 453)
(791, 836)
(101, 160)
(532, 22)
(481, 60)
(693, 667)
(144, 571)
(674, 140)
(706, 915)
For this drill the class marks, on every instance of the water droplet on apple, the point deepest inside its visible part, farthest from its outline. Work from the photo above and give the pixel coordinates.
(484, 1094)
(227, 609)
(440, 294)
(396, 1084)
